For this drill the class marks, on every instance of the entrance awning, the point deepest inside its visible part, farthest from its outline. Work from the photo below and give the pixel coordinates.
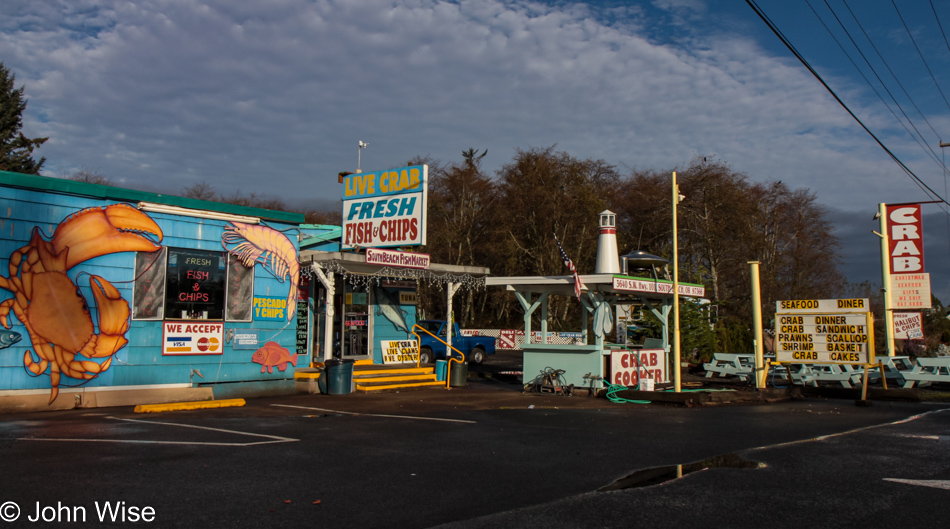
(355, 270)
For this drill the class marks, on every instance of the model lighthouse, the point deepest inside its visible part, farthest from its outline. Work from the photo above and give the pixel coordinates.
(608, 259)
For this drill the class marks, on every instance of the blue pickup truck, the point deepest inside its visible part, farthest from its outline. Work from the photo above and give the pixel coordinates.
(475, 348)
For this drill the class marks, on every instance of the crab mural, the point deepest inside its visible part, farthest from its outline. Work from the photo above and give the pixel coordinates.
(49, 305)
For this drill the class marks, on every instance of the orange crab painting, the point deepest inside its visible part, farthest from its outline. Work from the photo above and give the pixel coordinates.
(48, 303)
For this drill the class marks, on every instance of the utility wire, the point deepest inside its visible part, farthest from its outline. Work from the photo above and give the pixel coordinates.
(911, 35)
(934, 9)
(913, 134)
(920, 183)
(924, 144)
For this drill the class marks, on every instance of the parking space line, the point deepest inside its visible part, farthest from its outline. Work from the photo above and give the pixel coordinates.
(376, 414)
(273, 439)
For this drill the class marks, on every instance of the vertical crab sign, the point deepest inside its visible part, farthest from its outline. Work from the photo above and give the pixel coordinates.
(48, 303)
(272, 249)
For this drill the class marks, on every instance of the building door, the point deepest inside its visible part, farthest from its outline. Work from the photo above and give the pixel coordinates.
(355, 324)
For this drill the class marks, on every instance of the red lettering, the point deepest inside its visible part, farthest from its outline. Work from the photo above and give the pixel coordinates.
(625, 360)
(652, 359)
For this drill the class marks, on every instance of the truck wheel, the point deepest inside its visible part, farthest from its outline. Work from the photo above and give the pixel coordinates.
(425, 356)
(478, 356)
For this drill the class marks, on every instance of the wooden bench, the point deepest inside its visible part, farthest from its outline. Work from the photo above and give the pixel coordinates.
(739, 365)
(927, 371)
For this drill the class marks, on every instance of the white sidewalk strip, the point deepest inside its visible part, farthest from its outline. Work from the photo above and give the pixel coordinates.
(375, 414)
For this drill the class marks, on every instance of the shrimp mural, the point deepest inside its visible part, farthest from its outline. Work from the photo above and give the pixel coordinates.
(47, 302)
(272, 249)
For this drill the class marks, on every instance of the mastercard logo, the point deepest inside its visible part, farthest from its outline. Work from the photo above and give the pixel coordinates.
(208, 344)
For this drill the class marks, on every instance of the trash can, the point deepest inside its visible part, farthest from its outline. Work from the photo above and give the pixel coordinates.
(339, 376)
(322, 381)
(441, 370)
(459, 374)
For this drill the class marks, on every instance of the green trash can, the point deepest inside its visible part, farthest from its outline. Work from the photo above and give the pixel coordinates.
(458, 375)
(339, 375)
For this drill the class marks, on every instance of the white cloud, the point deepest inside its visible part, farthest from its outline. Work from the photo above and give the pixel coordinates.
(272, 97)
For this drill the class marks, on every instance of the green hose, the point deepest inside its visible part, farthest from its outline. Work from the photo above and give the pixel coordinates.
(613, 389)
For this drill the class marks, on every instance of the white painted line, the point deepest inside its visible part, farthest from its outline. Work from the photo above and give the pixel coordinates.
(273, 438)
(935, 483)
(376, 414)
(133, 441)
(848, 432)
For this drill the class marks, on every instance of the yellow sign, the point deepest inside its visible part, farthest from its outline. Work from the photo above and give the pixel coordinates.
(839, 338)
(823, 305)
(400, 351)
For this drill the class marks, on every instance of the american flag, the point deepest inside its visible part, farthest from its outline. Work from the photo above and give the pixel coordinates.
(578, 284)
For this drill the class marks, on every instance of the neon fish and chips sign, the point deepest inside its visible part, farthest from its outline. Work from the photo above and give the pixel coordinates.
(385, 208)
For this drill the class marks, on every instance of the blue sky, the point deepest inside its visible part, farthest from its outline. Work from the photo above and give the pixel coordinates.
(272, 97)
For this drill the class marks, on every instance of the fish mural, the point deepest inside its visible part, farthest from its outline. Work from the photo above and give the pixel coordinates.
(47, 302)
(254, 244)
(272, 355)
(389, 308)
(8, 338)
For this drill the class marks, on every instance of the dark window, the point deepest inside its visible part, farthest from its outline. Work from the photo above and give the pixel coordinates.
(148, 296)
(195, 288)
(240, 290)
(181, 284)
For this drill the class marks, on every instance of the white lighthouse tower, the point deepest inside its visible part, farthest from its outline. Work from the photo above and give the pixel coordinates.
(608, 259)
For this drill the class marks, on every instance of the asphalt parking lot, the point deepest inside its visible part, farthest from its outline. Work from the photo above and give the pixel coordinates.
(481, 456)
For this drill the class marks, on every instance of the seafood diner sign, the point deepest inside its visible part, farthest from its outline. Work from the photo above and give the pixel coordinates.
(385, 208)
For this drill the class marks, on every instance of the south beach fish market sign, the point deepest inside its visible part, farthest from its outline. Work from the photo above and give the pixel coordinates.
(385, 208)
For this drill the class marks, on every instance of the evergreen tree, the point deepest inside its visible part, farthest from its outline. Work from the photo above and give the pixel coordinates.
(16, 150)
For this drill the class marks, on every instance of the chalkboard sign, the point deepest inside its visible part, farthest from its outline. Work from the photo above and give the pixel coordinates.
(303, 327)
(195, 285)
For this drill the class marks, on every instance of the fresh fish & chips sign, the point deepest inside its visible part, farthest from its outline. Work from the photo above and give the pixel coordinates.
(385, 208)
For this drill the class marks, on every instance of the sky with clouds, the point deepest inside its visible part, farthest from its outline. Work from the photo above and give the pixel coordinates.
(272, 97)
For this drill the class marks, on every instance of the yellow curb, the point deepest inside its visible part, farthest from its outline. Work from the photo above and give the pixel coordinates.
(307, 375)
(177, 406)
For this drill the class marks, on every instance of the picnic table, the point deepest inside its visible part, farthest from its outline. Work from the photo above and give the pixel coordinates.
(725, 364)
(927, 371)
(812, 374)
(894, 369)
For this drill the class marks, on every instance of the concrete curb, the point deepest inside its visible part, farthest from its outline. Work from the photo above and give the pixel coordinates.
(178, 406)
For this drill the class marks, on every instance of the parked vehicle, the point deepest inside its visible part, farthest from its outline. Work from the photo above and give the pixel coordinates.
(475, 348)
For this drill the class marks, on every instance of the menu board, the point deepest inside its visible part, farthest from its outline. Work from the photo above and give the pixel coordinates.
(824, 331)
(303, 327)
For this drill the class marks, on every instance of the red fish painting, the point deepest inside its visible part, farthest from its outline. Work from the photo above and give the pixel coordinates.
(273, 355)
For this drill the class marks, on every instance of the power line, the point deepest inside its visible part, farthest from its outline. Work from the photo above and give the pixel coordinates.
(791, 48)
(915, 134)
(927, 66)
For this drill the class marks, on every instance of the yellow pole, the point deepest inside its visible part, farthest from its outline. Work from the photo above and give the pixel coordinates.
(886, 279)
(757, 325)
(677, 366)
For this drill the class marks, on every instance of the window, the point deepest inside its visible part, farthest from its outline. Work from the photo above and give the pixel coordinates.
(148, 296)
(185, 284)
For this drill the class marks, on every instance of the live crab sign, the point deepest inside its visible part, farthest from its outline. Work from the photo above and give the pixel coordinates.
(385, 208)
